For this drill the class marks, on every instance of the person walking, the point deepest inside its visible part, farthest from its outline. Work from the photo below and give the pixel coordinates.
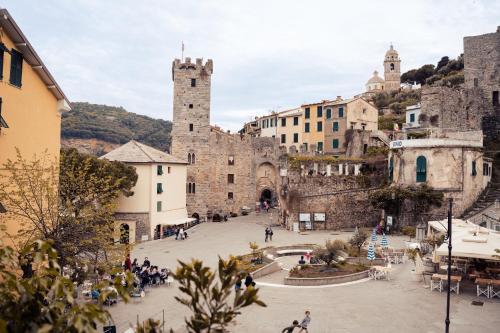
(181, 233)
(177, 230)
(290, 329)
(128, 263)
(305, 322)
(271, 233)
(267, 234)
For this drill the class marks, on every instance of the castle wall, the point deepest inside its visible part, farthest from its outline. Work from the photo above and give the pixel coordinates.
(224, 167)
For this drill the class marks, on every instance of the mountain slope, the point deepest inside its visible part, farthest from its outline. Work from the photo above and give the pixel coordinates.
(96, 129)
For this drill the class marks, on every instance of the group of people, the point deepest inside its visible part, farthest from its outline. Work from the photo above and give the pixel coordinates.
(249, 282)
(269, 234)
(145, 274)
(303, 324)
(180, 233)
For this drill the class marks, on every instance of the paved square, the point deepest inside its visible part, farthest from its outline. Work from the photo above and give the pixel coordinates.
(399, 305)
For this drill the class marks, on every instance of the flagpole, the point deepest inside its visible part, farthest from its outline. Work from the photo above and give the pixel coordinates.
(182, 54)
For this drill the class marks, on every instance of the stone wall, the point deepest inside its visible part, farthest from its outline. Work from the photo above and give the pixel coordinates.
(320, 187)
(471, 105)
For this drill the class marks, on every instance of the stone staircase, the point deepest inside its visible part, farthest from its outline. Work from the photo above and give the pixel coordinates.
(490, 194)
(381, 136)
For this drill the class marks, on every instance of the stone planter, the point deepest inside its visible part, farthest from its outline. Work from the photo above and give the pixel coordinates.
(326, 280)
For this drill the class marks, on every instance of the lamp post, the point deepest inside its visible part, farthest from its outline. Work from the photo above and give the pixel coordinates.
(447, 321)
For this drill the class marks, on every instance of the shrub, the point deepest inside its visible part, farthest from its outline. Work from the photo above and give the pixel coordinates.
(409, 231)
(358, 239)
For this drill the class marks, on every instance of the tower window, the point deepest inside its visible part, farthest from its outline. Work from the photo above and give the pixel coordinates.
(193, 82)
(230, 160)
(190, 106)
(230, 195)
(191, 127)
(392, 67)
(230, 178)
(189, 158)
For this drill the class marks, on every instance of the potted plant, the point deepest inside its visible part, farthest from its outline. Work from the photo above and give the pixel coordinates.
(413, 255)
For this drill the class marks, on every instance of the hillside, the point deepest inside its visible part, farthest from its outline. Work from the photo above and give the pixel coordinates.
(97, 129)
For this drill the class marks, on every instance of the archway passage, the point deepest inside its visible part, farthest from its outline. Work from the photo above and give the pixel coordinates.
(267, 196)
(124, 233)
(216, 218)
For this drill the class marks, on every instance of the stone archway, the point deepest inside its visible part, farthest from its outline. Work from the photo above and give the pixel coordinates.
(196, 216)
(266, 181)
(267, 195)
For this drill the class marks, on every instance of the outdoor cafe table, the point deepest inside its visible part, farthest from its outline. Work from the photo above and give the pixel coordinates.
(443, 277)
(381, 271)
(487, 287)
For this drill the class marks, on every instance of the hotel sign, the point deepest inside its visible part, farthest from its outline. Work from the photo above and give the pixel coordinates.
(396, 144)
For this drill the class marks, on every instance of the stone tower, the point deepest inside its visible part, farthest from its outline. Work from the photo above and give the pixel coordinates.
(392, 70)
(191, 126)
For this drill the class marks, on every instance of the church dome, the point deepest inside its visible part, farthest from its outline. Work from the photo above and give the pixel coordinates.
(375, 78)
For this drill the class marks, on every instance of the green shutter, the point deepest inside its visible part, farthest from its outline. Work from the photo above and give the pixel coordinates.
(335, 143)
(421, 169)
(335, 126)
(159, 188)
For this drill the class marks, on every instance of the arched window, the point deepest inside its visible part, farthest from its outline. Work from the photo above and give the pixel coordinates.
(391, 169)
(392, 67)
(189, 188)
(421, 169)
(193, 188)
(189, 158)
(193, 158)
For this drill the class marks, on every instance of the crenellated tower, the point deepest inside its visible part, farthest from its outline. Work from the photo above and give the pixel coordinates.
(191, 126)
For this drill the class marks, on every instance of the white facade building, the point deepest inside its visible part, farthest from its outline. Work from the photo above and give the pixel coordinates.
(412, 116)
(159, 198)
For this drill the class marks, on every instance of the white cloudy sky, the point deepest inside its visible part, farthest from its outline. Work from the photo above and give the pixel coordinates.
(267, 54)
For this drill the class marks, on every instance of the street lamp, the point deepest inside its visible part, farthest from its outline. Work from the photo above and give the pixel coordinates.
(447, 321)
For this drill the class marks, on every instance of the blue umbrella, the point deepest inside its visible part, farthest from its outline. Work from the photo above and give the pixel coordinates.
(374, 235)
(371, 252)
(384, 241)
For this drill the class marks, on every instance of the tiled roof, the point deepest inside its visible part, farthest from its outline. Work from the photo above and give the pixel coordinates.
(136, 152)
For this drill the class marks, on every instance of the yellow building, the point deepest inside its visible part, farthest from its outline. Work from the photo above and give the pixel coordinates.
(289, 128)
(31, 102)
(348, 114)
(313, 119)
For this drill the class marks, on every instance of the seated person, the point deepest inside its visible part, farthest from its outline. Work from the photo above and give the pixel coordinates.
(302, 261)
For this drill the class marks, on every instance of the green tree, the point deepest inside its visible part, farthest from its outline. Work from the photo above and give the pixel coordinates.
(44, 302)
(443, 62)
(207, 294)
(71, 204)
(358, 239)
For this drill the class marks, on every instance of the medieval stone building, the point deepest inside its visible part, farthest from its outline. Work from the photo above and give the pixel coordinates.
(474, 105)
(226, 171)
